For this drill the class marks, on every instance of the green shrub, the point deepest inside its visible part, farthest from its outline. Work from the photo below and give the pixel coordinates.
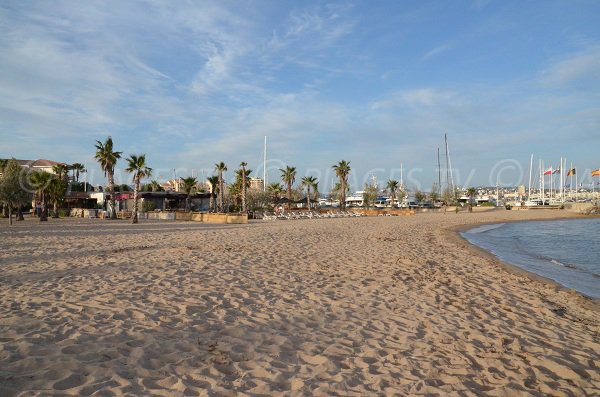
(148, 206)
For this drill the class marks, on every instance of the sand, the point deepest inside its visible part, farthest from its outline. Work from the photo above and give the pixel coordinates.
(352, 307)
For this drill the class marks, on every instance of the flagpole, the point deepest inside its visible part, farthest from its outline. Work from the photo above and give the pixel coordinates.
(542, 180)
(576, 188)
(560, 178)
(571, 181)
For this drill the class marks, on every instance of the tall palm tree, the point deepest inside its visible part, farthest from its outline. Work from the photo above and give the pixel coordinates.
(288, 176)
(221, 168)
(213, 182)
(136, 164)
(342, 170)
(189, 185)
(392, 188)
(243, 166)
(77, 169)
(309, 182)
(107, 158)
(40, 181)
(240, 188)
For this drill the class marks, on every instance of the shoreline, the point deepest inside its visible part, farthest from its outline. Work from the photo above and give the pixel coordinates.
(455, 232)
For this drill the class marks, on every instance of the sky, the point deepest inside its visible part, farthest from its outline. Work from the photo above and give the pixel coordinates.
(376, 83)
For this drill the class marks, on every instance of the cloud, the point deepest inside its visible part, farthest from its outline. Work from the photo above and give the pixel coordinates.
(437, 51)
(579, 69)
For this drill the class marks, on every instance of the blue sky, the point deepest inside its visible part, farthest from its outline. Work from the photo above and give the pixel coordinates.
(376, 83)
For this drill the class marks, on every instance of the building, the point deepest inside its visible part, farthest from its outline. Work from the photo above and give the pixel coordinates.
(257, 184)
(38, 165)
(173, 185)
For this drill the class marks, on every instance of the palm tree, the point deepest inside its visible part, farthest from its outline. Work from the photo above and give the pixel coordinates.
(61, 170)
(342, 170)
(152, 186)
(243, 165)
(77, 168)
(241, 185)
(221, 168)
(40, 181)
(288, 176)
(315, 191)
(213, 182)
(309, 182)
(137, 166)
(107, 158)
(275, 189)
(189, 185)
(57, 188)
(471, 193)
(392, 187)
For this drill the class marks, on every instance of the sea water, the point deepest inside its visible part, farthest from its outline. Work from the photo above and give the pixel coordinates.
(566, 251)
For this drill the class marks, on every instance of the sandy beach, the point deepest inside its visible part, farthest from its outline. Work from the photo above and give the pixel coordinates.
(323, 307)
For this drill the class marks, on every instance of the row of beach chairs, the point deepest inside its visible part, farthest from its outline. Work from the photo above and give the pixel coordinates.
(269, 216)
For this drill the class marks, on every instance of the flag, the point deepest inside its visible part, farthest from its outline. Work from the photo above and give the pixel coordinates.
(571, 172)
(596, 172)
(548, 171)
(556, 171)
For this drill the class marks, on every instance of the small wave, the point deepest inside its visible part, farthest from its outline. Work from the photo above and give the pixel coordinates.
(568, 265)
(484, 228)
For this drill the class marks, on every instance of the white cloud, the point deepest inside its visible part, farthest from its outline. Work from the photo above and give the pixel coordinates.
(582, 68)
(437, 51)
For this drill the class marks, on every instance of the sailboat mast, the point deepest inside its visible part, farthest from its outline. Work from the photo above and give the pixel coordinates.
(449, 167)
(530, 169)
(401, 181)
(439, 173)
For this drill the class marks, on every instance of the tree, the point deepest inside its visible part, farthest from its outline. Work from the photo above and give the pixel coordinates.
(14, 188)
(370, 194)
(392, 188)
(275, 190)
(189, 186)
(136, 164)
(309, 182)
(433, 194)
(56, 191)
(471, 193)
(244, 181)
(40, 180)
(342, 170)
(221, 168)
(213, 183)
(288, 176)
(419, 196)
(107, 158)
(61, 170)
(153, 186)
(77, 169)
